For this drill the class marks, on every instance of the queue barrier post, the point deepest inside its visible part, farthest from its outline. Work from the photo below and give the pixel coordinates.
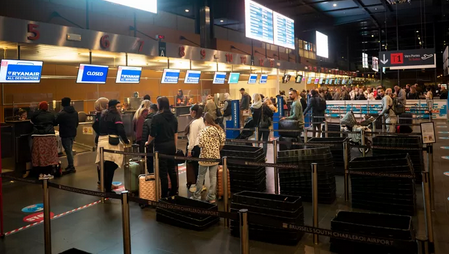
(225, 188)
(362, 138)
(346, 166)
(427, 210)
(276, 170)
(326, 128)
(102, 173)
(315, 199)
(47, 220)
(126, 224)
(244, 232)
(156, 175)
(305, 135)
(431, 178)
(256, 134)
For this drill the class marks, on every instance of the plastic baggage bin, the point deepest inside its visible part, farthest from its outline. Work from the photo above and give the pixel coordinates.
(242, 151)
(265, 200)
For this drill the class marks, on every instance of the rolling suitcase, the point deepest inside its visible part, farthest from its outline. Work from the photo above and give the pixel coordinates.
(134, 166)
(220, 187)
(147, 185)
(190, 173)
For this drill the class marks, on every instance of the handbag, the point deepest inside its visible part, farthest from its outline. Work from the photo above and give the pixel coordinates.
(264, 122)
(114, 140)
(245, 112)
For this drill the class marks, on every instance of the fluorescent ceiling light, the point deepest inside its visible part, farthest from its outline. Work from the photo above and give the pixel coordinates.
(147, 5)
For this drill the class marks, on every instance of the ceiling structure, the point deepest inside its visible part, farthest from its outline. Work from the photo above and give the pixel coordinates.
(353, 26)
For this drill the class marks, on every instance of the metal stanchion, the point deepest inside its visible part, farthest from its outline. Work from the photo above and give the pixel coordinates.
(362, 133)
(383, 124)
(244, 235)
(326, 128)
(427, 210)
(225, 188)
(102, 172)
(47, 221)
(431, 179)
(126, 224)
(346, 165)
(156, 175)
(305, 135)
(256, 134)
(276, 170)
(315, 199)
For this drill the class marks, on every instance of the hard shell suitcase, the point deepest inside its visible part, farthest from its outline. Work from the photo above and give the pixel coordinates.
(220, 187)
(134, 166)
(147, 185)
(190, 173)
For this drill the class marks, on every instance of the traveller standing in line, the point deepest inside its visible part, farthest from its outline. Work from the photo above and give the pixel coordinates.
(388, 110)
(192, 132)
(138, 121)
(111, 131)
(401, 95)
(244, 107)
(296, 113)
(164, 132)
(146, 133)
(100, 105)
(318, 107)
(303, 99)
(211, 107)
(413, 94)
(262, 116)
(45, 149)
(227, 109)
(360, 95)
(211, 141)
(68, 124)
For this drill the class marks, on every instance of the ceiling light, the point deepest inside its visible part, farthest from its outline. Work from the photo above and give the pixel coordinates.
(372, 35)
(221, 21)
(187, 10)
(335, 5)
(417, 31)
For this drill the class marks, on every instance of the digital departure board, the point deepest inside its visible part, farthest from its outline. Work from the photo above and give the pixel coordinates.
(258, 22)
(284, 31)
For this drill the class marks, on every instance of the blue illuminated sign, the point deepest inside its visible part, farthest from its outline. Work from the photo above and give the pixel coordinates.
(170, 76)
(263, 79)
(92, 74)
(192, 77)
(252, 79)
(20, 71)
(234, 78)
(128, 75)
(219, 77)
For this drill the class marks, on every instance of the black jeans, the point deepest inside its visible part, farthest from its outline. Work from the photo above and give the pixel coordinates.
(109, 170)
(167, 166)
(264, 135)
(67, 143)
(150, 159)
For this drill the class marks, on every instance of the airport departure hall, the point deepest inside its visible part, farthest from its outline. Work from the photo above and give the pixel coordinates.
(224, 127)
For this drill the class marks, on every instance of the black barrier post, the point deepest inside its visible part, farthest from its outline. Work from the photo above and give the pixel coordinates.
(225, 188)
(47, 220)
(256, 134)
(244, 235)
(156, 175)
(126, 224)
(362, 133)
(427, 208)
(102, 173)
(346, 166)
(431, 179)
(276, 170)
(315, 199)
(326, 128)
(305, 135)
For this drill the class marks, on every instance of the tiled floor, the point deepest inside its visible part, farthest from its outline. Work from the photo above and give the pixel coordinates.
(98, 229)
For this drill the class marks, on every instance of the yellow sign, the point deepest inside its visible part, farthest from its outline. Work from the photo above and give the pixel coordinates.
(88, 130)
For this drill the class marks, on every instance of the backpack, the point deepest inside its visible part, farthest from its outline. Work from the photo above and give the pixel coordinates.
(321, 104)
(228, 110)
(397, 107)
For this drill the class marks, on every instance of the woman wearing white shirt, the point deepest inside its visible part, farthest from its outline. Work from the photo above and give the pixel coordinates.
(192, 132)
(369, 95)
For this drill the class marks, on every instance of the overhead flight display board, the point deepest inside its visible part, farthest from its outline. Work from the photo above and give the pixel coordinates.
(284, 31)
(258, 22)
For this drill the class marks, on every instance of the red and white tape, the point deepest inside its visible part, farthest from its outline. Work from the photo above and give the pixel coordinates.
(55, 217)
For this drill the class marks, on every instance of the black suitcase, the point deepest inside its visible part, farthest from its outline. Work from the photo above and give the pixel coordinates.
(288, 146)
(287, 124)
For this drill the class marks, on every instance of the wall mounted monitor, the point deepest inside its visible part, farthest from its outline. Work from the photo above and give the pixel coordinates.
(263, 79)
(316, 81)
(20, 71)
(309, 81)
(219, 78)
(322, 45)
(192, 77)
(170, 76)
(258, 22)
(343, 81)
(298, 79)
(337, 81)
(327, 81)
(286, 78)
(331, 81)
(92, 74)
(321, 81)
(128, 75)
(252, 79)
(234, 78)
(147, 5)
(284, 31)
(350, 81)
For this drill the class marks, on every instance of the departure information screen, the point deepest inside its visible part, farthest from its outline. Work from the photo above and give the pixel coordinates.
(128, 75)
(258, 22)
(192, 77)
(234, 78)
(263, 79)
(20, 71)
(252, 79)
(92, 74)
(284, 31)
(170, 76)
(219, 78)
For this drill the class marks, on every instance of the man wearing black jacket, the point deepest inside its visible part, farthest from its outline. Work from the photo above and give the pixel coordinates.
(68, 123)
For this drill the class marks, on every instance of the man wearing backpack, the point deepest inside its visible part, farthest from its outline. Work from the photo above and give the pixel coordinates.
(388, 110)
(318, 106)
